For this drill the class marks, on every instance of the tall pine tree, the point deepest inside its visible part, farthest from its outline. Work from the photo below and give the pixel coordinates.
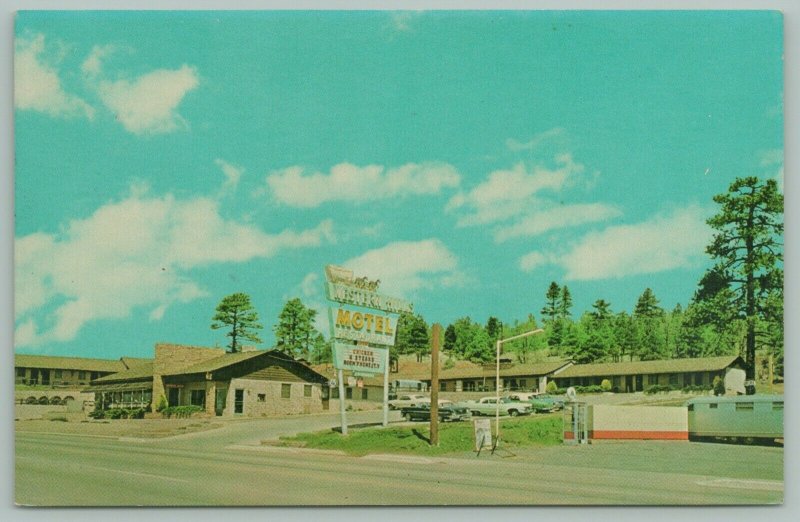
(748, 249)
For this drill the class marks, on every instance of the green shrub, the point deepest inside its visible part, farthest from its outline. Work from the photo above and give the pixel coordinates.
(594, 388)
(180, 411)
(116, 413)
(658, 388)
(97, 414)
(606, 385)
(161, 405)
(551, 387)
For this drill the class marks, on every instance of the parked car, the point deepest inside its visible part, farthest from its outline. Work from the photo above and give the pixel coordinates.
(557, 400)
(447, 412)
(488, 406)
(408, 400)
(522, 396)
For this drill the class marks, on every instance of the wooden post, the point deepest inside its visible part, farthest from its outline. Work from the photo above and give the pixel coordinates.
(435, 335)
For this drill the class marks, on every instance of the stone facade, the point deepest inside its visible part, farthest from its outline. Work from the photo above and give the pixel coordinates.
(170, 358)
(265, 398)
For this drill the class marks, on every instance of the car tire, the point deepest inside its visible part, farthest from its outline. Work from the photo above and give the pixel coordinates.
(513, 413)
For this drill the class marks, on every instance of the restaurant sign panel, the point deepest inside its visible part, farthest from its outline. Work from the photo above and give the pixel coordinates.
(364, 360)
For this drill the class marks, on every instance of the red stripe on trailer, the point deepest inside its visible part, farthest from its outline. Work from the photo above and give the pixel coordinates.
(639, 435)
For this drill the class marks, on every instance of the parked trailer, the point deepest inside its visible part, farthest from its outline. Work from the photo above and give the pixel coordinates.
(746, 418)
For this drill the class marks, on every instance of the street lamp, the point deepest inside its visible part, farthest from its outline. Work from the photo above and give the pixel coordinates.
(497, 380)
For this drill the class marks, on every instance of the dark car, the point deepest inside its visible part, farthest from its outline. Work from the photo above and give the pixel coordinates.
(447, 412)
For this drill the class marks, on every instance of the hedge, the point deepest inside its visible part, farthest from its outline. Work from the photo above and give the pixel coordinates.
(181, 411)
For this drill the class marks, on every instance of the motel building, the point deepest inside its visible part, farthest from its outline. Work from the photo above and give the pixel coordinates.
(625, 377)
(250, 383)
(65, 372)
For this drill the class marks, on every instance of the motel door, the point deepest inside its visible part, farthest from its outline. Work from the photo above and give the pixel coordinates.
(219, 400)
(173, 396)
(238, 401)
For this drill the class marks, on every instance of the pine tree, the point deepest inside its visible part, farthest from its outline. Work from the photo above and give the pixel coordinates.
(553, 300)
(748, 249)
(566, 303)
(295, 333)
(236, 311)
(449, 339)
(412, 335)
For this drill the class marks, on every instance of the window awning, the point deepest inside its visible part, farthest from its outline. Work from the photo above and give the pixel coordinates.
(122, 386)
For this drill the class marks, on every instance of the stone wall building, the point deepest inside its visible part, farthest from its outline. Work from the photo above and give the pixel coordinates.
(251, 383)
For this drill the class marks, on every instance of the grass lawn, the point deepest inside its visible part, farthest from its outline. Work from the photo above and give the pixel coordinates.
(540, 430)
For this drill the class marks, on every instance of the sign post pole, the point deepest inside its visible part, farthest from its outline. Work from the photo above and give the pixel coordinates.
(435, 333)
(386, 391)
(341, 402)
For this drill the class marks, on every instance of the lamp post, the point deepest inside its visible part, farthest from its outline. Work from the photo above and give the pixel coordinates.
(497, 380)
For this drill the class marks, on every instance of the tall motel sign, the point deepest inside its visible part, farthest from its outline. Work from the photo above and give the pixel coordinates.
(363, 326)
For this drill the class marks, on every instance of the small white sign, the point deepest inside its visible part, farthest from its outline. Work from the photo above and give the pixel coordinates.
(482, 429)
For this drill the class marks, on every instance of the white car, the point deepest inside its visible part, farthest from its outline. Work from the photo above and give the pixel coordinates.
(408, 401)
(522, 396)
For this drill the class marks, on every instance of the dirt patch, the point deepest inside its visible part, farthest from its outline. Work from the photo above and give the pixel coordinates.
(139, 428)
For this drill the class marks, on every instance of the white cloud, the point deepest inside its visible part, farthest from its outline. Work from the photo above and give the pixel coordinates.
(148, 104)
(555, 218)
(537, 140)
(93, 63)
(135, 253)
(401, 20)
(37, 85)
(406, 266)
(774, 158)
(232, 174)
(530, 262)
(509, 193)
(665, 242)
(348, 182)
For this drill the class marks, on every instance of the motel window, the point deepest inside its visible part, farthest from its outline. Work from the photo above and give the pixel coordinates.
(306, 390)
(20, 372)
(198, 398)
(262, 397)
(469, 385)
(58, 374)
(652, 379)
(698, 379)
(744, 406)
(364, 394)
(286, 391)
(523, 383)
(442, 386)
(713, 406)
(348, 393)
(690, 407)
(81, 376)
(673, 379)
(334, 393)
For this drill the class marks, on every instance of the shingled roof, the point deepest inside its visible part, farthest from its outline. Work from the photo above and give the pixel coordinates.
(706, 364)
(68, 363)
(143, 370)
(469, 370)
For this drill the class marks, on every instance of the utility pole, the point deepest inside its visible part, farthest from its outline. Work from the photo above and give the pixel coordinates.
(435, 336)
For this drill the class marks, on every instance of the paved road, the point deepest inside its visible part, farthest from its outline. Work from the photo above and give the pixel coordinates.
(221, 468)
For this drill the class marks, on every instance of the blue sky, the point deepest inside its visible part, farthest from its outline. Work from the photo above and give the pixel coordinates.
(165, 160)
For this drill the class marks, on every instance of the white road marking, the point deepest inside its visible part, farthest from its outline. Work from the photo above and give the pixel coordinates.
(766, 485)
(136, 473)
